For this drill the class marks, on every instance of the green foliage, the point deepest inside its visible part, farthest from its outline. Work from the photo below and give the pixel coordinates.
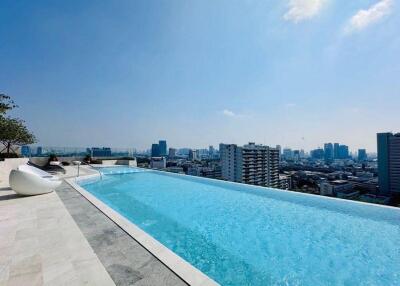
(13, 131)
(6, 104)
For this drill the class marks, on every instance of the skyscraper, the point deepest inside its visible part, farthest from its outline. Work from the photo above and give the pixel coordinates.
(362, 155)
(251, 164)
(336, 151)
(388, 163)
(162, 147)
(328, 152)
(155, 150)
(343, 152)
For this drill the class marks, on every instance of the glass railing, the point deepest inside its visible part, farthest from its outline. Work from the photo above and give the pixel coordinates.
(45, 151)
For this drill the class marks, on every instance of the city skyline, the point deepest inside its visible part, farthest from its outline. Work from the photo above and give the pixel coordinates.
(151, 145)
(290, 73)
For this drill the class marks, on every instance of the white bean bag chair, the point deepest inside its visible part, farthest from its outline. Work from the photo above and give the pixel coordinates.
(29, 183)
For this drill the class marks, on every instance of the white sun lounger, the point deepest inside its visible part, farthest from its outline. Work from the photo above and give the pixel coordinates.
(29, 181)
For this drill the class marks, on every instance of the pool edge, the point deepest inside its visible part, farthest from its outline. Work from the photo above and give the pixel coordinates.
(183, 269)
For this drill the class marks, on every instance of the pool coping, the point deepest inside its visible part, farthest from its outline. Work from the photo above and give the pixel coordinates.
(183, 269)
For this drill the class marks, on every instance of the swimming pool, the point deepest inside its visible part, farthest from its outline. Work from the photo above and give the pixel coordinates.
(245, 235)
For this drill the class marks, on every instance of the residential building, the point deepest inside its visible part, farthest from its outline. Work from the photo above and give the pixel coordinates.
(214, 173)
(175, 169)
(389, 163)
(231, 162)
(172, 153)
(285, 182)
(158, 163)
(332, 188)
(250, 164)
(193, 155)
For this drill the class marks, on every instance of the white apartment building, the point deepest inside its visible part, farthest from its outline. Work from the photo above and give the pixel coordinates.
(158, 163)
(251, 164)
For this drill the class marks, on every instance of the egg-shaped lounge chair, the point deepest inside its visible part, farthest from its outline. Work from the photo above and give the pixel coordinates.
(36, 171)
(29, 183)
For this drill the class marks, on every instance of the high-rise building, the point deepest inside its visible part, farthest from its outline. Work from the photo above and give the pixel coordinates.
(362, 155)
(296, 155)
(211, 151)
(343, 152)
(279, 148)
(388, 163)
(25, 151)
(251, 164)
(172, 153)
(162, 147)
(317, 153)
(287, 154)
(328, 152)
(193, 155)
(336, 151)
(155, 150)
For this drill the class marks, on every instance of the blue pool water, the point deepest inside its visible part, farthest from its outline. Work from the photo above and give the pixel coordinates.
(244, 235)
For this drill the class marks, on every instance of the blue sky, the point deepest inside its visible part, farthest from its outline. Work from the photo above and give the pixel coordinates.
(126, 73)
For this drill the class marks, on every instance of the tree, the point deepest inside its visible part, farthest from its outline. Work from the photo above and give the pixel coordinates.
(14, 132)
(6, 104)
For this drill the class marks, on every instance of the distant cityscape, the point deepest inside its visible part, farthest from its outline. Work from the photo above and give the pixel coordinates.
(328, 171)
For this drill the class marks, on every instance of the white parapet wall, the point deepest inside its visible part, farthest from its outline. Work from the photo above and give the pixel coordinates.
(5, 168)
(132, 163)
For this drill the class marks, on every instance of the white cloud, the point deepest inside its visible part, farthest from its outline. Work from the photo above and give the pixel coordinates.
(364, 18)
(290, 104)
(300, 10)
(229, 113)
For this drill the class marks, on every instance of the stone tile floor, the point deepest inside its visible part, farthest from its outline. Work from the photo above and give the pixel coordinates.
(40, 244)
(127, 262)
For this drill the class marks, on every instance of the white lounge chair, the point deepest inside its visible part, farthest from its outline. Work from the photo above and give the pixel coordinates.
(29, 181)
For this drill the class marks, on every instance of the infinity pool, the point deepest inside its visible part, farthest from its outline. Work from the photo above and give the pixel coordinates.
(245, 235)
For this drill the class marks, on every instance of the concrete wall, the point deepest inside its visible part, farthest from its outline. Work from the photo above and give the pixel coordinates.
(5, 168)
